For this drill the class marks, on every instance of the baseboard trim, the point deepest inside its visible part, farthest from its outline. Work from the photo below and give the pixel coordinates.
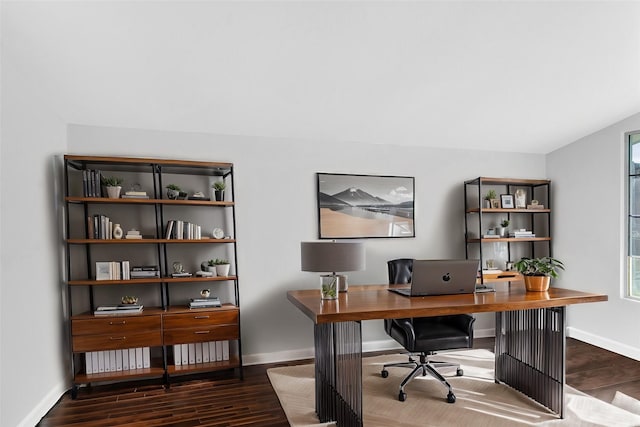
(602, 342)
(44, 406)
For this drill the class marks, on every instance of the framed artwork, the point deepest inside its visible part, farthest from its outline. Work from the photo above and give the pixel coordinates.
(365, 206)
(495, 204)
(506, 201)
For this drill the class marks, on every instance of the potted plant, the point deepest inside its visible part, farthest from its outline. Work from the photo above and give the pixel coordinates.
(113, 184)
(173, 191)
(502, 228)
(222, 267)
(491, 195)
(211, 265)
(538, 272)
(219, 187)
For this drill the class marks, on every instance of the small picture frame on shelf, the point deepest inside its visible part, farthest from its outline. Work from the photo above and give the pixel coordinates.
(495, 204)
(506, 201)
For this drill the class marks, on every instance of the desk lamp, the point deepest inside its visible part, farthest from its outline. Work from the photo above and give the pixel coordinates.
(331, 257)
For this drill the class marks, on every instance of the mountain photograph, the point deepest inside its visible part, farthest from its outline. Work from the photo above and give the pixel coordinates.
(360, 206)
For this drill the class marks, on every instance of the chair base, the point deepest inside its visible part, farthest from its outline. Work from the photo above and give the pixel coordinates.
(425, 367)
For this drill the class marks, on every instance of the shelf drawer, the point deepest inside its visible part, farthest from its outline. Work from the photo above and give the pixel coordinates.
(202, 334)
(116, 341)
(116, 325)
(200, 319)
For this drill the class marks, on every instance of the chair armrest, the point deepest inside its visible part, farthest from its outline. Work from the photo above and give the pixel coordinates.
(405, 325)
(463, 321)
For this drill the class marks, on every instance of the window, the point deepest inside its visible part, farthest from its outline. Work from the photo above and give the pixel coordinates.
(633, 226)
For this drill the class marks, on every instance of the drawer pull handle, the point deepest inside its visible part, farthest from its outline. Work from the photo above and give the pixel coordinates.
(202, 332)
(117, 338)
(200, 317)
(124, 322)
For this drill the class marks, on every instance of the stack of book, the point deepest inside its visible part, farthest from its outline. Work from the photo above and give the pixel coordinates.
(145, 271)
(133, 234)
(135, 195)
(205, 302)
(121, 309)
(522, 233)
(182, 274)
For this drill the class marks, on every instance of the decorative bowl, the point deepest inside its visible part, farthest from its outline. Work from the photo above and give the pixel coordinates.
(129, 299)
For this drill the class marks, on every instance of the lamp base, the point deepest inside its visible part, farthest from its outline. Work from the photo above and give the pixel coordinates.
(342, 282)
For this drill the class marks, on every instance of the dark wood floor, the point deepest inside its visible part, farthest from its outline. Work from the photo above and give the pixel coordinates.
(253, 402)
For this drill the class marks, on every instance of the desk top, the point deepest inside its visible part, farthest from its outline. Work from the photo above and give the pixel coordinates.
(367, 302)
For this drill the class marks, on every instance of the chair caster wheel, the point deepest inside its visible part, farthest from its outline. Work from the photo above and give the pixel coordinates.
(402, 396)
(459, 372)
(451, 398)
(384, 373)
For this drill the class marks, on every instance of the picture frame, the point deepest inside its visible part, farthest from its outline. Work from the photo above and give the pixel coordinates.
(495, 203)
(506, 201)
(352, 206)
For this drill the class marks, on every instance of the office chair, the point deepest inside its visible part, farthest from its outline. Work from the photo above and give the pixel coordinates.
(422, 336)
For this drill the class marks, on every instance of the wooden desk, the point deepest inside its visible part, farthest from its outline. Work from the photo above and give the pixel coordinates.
(530, 339)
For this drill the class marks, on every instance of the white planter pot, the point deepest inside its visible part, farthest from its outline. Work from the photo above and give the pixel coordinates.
(223, 269)
(114, 192)
(212, 269)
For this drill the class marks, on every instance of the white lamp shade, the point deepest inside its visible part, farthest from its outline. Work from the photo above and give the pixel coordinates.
(332, 256)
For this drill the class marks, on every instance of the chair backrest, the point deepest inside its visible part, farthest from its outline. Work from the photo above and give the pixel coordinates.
(400, 270)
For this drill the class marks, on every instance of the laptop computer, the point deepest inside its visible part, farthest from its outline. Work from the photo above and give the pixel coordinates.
(442, 277)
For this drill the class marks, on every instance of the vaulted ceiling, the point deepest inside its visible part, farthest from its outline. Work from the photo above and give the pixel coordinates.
(507, 76)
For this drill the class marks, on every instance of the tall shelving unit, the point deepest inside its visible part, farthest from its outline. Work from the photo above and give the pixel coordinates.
(166, 324)
(479, 219)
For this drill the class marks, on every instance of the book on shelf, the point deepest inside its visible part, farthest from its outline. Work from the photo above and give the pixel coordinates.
(491, 236)
(181, 274)
(144, 274)
(118, 309)
(204, 299)
(145, 268)
(201, 273)
(205, 304)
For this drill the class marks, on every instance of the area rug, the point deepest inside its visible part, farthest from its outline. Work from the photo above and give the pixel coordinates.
(480, 401)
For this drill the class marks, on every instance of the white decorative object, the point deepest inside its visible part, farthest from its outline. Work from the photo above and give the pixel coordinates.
(117, 231)
(114, 192)
(223, 269)
(521, 198)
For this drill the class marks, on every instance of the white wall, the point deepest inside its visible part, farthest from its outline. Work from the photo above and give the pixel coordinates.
(589, 234)
(276, 209)
(33, 365)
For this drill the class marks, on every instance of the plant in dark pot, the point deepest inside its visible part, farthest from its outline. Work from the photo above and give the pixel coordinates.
(219, 187)
(538, 272)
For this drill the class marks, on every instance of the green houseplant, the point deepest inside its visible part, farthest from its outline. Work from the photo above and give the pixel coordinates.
(538, 272)
(219, 187)
(113, 185)
(502, 228)
(173, 191)
(222, 267)
(491, 195)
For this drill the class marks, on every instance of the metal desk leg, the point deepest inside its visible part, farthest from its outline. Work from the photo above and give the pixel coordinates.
(530, 354)
(338, 348)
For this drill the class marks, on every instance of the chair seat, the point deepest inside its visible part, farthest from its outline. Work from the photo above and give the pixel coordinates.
(442, 337)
